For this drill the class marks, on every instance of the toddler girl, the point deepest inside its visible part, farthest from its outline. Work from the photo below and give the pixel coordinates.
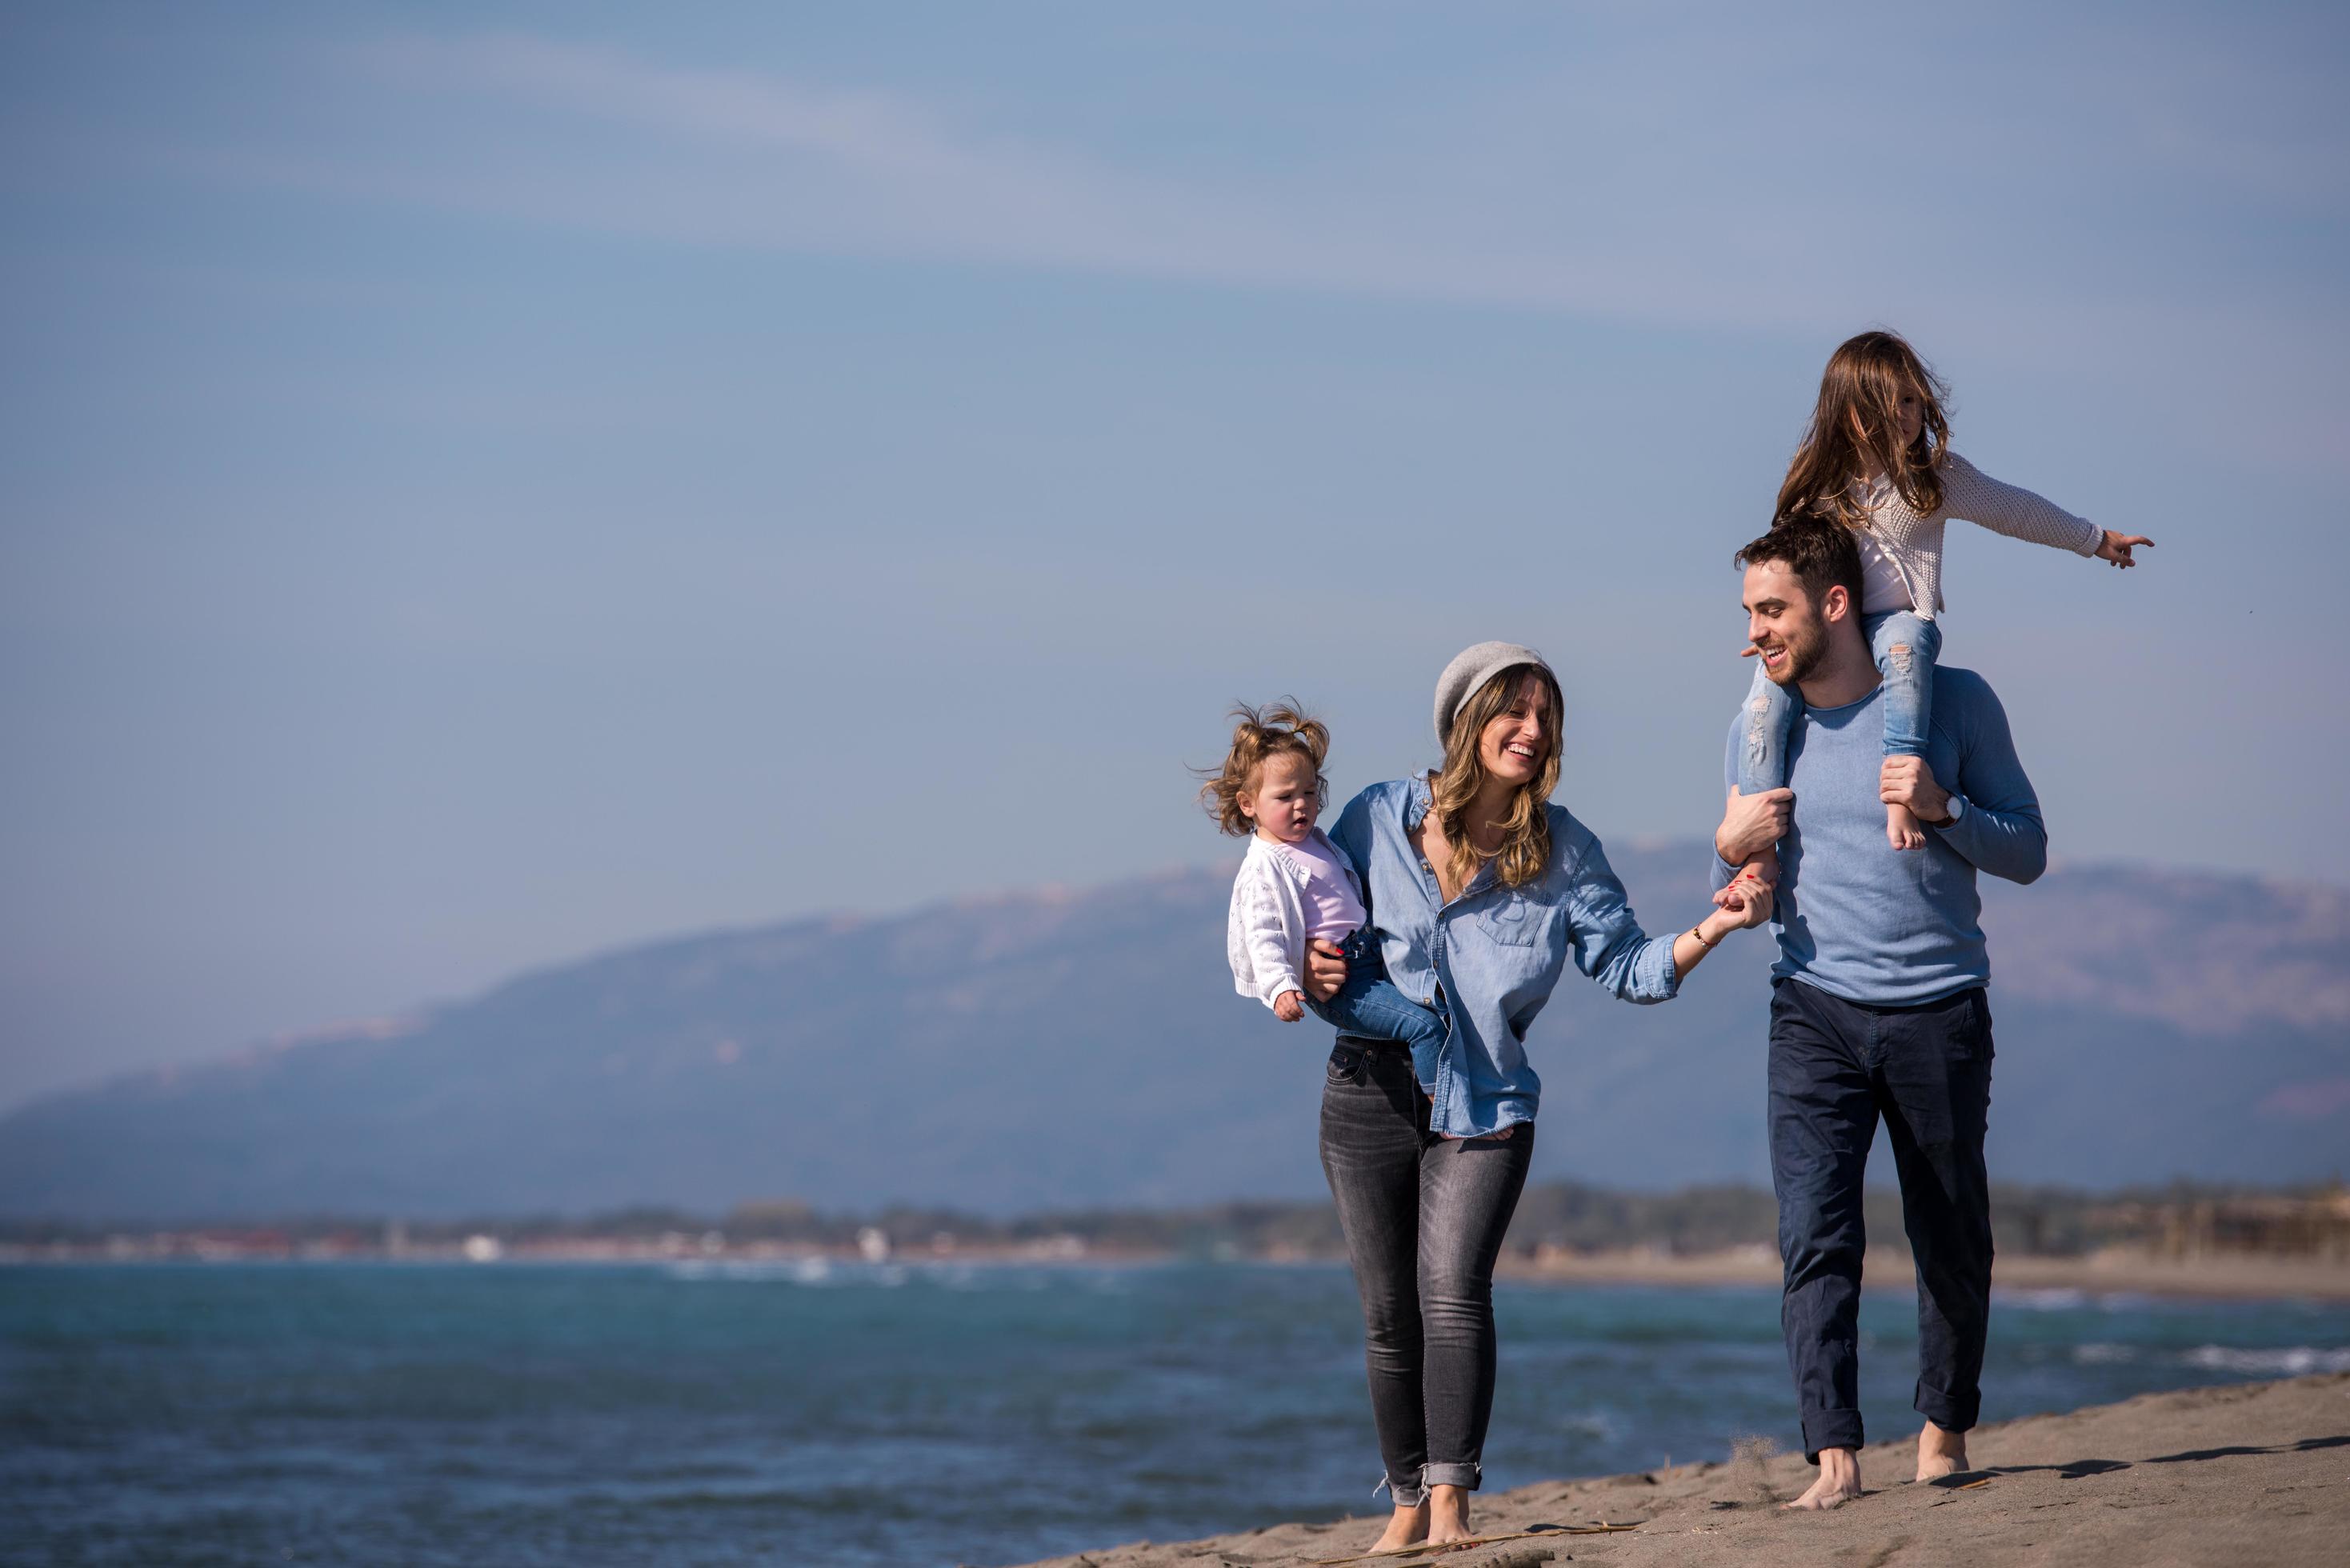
(1296, 886)
(1876, 458)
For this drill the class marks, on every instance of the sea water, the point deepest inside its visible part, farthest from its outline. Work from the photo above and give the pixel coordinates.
(929, 1414)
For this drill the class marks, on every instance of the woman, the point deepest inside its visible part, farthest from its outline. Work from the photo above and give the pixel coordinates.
(1480, 890)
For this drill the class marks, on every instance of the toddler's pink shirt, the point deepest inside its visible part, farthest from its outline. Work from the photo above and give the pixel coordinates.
(1331, 908)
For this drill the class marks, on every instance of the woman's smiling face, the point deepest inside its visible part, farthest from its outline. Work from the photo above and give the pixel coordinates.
(1518, 740)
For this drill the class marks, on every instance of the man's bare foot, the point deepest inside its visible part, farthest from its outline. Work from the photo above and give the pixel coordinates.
(1408, 1528)
(1941, 1453)
(1448, 1513)
(1839, 1481)
(1902, 829)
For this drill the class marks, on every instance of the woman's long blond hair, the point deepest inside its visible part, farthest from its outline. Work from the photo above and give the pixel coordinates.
(1524, 854)
(1857, 428)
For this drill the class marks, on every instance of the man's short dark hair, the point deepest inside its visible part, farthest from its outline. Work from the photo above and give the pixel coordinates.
(1820, 551)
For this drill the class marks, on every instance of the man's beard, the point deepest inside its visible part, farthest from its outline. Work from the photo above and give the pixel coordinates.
(1804, 655)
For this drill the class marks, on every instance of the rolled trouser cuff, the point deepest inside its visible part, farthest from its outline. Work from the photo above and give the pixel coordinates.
(1407, 1493)
(1953, 1413)
(1466, 1477)
(1831, 1429)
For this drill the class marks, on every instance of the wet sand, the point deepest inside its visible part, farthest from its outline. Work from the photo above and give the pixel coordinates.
(2252, 1473)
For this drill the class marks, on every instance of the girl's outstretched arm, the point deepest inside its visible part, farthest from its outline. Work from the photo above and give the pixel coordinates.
(1973, 496)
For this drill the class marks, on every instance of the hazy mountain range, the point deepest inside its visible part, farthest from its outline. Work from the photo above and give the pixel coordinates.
(1052, 1049)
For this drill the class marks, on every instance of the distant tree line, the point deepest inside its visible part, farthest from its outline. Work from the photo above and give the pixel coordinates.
(2182, 1220)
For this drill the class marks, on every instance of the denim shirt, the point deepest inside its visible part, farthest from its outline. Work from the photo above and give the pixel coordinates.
(1494, 953)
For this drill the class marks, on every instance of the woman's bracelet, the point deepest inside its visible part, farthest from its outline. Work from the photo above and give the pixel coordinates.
(1708, 943)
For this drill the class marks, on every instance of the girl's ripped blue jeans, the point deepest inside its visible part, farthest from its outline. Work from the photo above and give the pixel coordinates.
(1905, 645)
(1369, 1005)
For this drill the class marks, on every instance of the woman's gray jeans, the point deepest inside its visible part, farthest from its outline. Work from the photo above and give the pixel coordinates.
(1424, 1217)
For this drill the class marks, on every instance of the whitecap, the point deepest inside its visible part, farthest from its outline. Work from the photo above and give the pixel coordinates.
(2290, 1361)
(2053, 1300)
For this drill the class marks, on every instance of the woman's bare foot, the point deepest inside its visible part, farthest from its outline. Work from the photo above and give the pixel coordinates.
(1447, 1514)
(1839, 1481)
(1902, 829)
(1941, 1453)
(1408, 1528)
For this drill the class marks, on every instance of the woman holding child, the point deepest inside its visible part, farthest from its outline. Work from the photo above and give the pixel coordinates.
(1466, 893)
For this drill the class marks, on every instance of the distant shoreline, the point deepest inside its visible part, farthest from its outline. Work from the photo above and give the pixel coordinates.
(2109, 1271)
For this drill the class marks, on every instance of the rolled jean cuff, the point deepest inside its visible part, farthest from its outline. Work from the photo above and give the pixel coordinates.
(1950, 1412)
(1463, 1475)
(1406, 1494)
(1830, 1430)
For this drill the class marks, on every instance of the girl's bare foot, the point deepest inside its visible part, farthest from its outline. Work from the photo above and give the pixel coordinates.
(1902, 829)
(1408, 1528)
(1448, 1513)
(1839, 1481)
(1941, 1453)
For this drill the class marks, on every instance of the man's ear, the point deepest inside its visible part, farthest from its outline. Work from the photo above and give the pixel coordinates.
(1836, 604)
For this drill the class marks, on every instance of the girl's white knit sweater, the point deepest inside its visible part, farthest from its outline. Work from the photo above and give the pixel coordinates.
(1908, 545)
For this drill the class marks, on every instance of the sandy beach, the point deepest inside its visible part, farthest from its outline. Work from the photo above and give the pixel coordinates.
(2252, 1473)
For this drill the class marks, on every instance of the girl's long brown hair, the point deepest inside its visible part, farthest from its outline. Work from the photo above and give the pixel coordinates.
(1524, 854)
(1862, 386)
(1263, 733)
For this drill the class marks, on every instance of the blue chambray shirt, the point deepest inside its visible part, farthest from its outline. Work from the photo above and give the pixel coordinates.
(1496, 952)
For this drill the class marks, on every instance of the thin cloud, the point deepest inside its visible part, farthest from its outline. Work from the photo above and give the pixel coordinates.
(749, 157)
(1559, 194)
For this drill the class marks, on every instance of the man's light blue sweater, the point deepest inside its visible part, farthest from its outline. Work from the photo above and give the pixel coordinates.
(1868, 922)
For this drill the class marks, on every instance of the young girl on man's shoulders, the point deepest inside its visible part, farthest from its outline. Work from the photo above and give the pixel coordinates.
(1876, 458)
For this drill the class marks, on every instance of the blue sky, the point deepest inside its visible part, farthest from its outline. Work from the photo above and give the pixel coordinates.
(483, 484)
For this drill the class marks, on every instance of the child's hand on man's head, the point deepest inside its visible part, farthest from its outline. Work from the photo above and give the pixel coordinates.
(1289, 1006)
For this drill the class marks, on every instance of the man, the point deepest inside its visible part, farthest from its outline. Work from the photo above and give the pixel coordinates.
(1878, 1002)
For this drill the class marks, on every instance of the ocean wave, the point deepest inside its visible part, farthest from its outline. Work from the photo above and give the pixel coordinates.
(1603, 1426)
(790, 1271)
(2049, 1300)
(833, 1273)
(2290, 1361)
(2096, 1353)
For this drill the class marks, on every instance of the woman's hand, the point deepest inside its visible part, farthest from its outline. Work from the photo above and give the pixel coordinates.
(1749, 902)
(1325, 970)
(2117, 547)
(1745, 903)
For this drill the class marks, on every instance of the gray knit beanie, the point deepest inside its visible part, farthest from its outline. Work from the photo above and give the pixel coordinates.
(1470, 669)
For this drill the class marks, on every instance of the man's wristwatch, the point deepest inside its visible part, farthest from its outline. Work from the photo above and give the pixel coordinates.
(1953, 809)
